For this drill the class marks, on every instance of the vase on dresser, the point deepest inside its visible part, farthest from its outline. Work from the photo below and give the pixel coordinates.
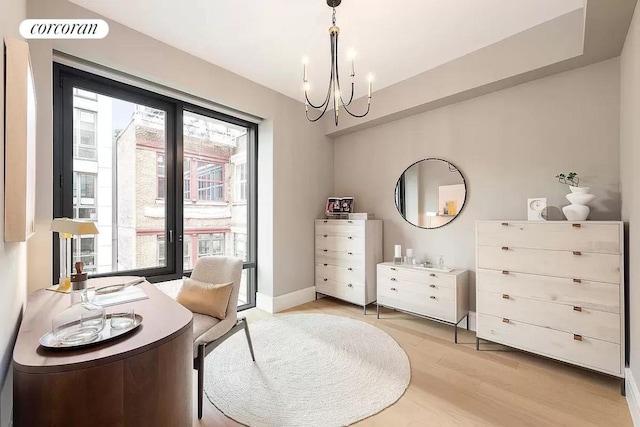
(578, 209)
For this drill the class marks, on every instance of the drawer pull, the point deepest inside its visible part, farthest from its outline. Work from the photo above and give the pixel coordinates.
(325, 221)
(432, 274)
(325, 264)
(505, 272)
(505, 296)
(393, 279)
(577, 253)
(432, 297)
(577, 337)
(576, 225)
(325, 279)
(324, 250)
(506, 224)
(505, 320)
(350, 285)
(350, 238)
(349, 222)
(324, 235)
(350, 253)
(575, 308)
(505, 248)
(432, 286)
(577, 280)
(350, 269)
(394, 269)
(393, 289)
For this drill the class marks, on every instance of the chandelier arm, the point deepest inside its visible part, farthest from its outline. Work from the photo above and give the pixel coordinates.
(334, 58)
(359, 116)
(320, 106)
(306, 112)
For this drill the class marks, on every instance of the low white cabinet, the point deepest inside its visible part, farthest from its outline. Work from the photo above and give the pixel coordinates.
(347, 252)
(424, 292)
(553, 288)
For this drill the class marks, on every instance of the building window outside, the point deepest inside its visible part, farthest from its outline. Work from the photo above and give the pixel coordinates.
(210, 244)
(186, 255)
(162, 251)
(84, 196)
(84, 250)
(240, 245)
(210, 181)
(241, 182)
(85, 94)
(187, 179)
(84, 134)
(161, 177)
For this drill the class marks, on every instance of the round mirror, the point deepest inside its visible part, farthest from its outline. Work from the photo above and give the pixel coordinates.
(430, 193)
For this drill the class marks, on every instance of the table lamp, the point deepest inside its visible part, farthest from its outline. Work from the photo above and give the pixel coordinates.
(67, 228)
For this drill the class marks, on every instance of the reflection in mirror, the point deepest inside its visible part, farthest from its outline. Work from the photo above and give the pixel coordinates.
(430, 193)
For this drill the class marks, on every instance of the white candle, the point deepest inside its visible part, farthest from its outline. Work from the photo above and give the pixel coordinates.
(409, 253)
(397, 251)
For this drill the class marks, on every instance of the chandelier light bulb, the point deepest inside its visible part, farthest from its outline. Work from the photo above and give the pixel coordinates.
(370, 78)
(305, 60)
(307, 86)
(351, 55)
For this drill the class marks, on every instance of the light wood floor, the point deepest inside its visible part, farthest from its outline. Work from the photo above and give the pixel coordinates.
(455, 385)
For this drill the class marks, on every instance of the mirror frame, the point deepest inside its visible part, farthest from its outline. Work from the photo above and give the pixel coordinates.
(396, 189)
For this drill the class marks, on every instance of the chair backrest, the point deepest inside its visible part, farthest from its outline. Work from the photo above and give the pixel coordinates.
(221, 269)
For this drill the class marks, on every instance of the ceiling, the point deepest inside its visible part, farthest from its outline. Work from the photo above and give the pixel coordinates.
(265, 41)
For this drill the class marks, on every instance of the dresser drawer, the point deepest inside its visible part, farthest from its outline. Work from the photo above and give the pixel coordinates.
(583, 293)
(442, 309)
(340, 274)
(422, 289)
(417, 276)
(566, 318)
(341, 228)
(340, 243)
(346, 291)
(578, 265)
(589, 352)
(344, 259)
(564, 236)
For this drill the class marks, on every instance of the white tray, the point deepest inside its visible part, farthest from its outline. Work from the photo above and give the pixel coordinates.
(106, 334)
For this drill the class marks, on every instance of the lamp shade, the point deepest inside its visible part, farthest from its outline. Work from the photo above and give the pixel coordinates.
(75, 227)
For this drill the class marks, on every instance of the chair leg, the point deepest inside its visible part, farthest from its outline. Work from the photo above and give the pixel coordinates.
(201, 349)
(246, 332)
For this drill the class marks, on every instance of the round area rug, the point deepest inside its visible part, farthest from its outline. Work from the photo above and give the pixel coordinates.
(310, 370)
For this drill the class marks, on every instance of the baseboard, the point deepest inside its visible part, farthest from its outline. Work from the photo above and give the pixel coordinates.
(472, 320)
(264, 302)
(286, 301)
(633, 397)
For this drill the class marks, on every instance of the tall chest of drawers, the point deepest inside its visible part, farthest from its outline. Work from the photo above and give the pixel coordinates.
(553, 288)
(347, 252)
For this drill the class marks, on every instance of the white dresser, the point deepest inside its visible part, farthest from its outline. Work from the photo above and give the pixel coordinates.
(425, 292)
(555, 289)
(347, 252)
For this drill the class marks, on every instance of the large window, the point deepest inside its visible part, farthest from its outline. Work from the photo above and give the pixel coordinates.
(165, 187)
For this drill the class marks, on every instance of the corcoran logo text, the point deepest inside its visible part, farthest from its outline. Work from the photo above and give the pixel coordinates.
(64, 29)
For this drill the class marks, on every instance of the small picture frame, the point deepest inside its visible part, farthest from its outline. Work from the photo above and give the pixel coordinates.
(338, 207)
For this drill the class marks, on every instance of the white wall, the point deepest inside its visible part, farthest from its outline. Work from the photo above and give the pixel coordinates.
(629, 176)
(13, 266)
(509, 145)
(295, 158)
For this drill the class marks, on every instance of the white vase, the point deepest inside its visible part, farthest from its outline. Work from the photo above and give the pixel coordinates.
(578, 209)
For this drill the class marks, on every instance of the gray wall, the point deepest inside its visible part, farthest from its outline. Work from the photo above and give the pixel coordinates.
(295, 158)
(13, 264)
(509, 145)
(630, 176)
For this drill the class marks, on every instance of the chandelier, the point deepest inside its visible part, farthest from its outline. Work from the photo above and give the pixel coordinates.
(334, 92)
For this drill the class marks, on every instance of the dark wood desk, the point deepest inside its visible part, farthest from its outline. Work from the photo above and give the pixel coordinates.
(141, 379)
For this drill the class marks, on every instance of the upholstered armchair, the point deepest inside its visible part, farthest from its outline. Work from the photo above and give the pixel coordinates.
(209, 332)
